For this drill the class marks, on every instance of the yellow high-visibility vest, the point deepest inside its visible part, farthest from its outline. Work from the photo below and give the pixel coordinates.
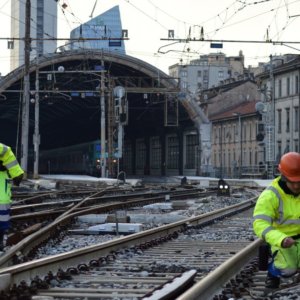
(5, 189)
(9, 161)
(276, 214)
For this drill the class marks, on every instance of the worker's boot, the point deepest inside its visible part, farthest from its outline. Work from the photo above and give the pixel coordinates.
(272, 282)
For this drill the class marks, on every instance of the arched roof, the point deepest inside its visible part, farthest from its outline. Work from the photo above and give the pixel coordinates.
(69, 99)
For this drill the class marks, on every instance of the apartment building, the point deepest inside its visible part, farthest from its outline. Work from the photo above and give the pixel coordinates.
(43, 25)
(231, 108)
(279, 85)
(207, 71)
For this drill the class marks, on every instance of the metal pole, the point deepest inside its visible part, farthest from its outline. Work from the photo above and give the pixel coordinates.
(298, 83)
(103, 128)
(241, 145)
(36, 136)
(221, 152)
(25, 103)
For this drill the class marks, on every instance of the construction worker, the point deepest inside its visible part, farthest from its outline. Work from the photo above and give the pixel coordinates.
(10, 171)
(277, 220)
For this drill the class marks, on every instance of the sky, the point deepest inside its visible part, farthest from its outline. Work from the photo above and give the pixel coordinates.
(247, 24)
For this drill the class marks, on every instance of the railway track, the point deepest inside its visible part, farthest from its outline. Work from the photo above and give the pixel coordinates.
(151, 268)
(37, 228)
(139, 266)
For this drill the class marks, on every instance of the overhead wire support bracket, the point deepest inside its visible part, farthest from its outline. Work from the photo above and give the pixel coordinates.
(227, 41)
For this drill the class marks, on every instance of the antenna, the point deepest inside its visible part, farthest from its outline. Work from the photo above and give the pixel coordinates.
(91, 15)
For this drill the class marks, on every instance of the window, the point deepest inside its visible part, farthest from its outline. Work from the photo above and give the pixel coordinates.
(172, 152)
(199, 73)
(183, 73)
(287, 147)
(288, 90)
(279, 120)
(287, 129)
(140, 154)
(279, 88)
(221, 74)
(296, 113)
(191, 147)
(184, 85)
(279, 148)
(155, 153)
(235, 133)
(205, 75)
(127, 158)
(296, 85)
(216, 136)
(250, 132)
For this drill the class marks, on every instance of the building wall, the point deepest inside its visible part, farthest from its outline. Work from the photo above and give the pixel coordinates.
(286, 112)
(233, 97)
(235, 151)
(207, 71)
(287, 99)
(43, 25)
(107, 26)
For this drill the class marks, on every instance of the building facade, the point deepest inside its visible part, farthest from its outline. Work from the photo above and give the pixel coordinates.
(105, 28)
(279, 86)
(43, 25)
(207, 71)
(231, 108)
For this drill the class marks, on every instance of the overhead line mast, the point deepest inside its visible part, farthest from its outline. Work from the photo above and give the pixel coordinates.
(25, 102)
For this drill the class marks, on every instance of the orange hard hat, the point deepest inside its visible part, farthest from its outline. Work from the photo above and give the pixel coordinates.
(289, 166)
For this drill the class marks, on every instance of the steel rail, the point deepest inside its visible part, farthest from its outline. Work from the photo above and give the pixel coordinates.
(26, 245)
(28, 270)
(209, 286)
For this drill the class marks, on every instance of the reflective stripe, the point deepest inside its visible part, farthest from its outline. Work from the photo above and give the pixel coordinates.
(4, 150)
(5, 206)
(268, 229)
(263, 217)
(295, 221)
(4, 218)
(280, 207)
(11, 164)
(281, 219)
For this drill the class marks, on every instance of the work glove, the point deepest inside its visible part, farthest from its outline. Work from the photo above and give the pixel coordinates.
(17, 180)
(288, 242)
(2, 168)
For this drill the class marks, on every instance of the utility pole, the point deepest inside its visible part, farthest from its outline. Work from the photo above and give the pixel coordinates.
(270, 125)
(110, 128)
(102, 123)
(25, 103)
(36, 135)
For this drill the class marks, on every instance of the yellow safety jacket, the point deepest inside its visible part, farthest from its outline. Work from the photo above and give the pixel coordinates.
(9, 161)
(5, 189)
(12, 169)
(276, 215)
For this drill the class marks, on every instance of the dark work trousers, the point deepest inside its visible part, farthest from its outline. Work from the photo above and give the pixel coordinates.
(1, 240)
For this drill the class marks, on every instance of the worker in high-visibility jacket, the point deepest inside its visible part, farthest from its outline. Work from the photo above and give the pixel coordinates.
(277, 220)
(10, 171)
